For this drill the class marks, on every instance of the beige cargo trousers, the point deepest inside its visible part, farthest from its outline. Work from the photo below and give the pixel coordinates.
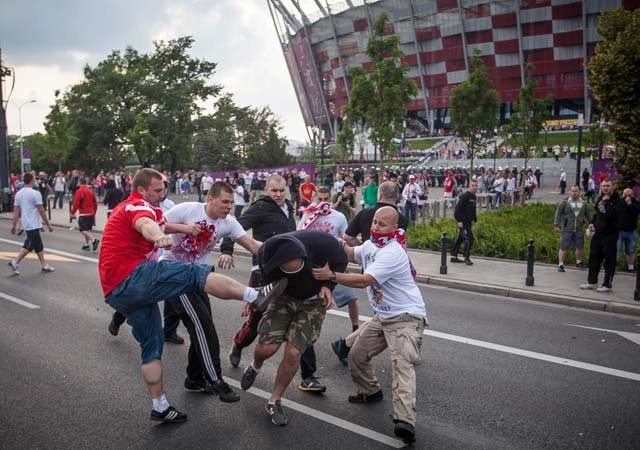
(403, 336)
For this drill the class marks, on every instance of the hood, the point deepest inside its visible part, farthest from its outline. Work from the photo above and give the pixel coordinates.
(278, 250)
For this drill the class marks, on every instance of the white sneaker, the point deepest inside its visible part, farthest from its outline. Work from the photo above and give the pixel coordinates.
(47, 268)
(603, 289)
(14, 267)
(588, 286)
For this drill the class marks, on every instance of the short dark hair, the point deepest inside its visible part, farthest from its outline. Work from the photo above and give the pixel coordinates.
(82, 180)
(323, 190)
(218, 187)
(144, 176)
(27, 178)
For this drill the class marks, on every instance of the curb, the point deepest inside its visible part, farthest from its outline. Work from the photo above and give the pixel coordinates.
(515, 293)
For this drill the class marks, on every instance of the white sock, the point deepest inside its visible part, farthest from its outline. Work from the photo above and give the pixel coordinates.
(249, 295)
(161, 403)
(561, 264)
(579, 261)
(630, 266)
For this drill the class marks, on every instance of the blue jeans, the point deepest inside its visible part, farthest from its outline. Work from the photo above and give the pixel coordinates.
(410, 210)
(628, 238)
(137, 298)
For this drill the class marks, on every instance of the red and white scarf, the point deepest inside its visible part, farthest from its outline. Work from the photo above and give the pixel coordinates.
(316, 210)
(400, 235)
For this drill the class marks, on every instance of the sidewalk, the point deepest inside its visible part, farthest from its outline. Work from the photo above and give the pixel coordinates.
(487, 275)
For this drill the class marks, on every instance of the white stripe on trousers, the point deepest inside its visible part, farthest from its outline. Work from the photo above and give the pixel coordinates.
(204, 348)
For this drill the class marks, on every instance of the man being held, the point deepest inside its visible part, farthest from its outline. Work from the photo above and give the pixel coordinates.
(465, 215)
(571, 216)
(133, 281)
(294, 318)
(86, 204)
(398, 323)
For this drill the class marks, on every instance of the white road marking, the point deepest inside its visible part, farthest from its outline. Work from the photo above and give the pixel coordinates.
(55, 252)
(520, 352)
(633, 337)
(336, 421)
(18, 301)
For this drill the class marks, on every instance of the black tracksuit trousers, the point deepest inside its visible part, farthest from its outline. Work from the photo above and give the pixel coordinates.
(603, 248)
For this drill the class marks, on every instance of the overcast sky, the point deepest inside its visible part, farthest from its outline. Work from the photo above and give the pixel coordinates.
(49, 42)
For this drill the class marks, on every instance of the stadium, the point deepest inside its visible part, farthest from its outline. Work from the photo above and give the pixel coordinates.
(320, 40)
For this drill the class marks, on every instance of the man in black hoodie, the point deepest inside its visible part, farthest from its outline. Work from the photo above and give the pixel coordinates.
(465, 215)
(295, 318)
(605, 225)
(628, 213)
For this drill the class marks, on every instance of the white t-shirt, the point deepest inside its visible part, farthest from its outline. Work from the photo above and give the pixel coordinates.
(334, 223)
(396, 292)
(498, 184)
(338, 185)
(59, 185)
(511, 184)
(28, 200)
(238, 196)
(166, 204)
(207, 182)
(193, 212)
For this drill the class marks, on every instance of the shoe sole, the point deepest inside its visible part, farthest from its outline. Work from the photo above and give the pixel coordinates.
(315, 390)
(276, 291)
(160, 419)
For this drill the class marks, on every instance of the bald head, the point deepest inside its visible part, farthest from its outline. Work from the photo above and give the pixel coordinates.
(627, 192)
(385, 220)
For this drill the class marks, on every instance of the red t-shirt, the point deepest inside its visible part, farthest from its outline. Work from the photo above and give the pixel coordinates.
(306, 191)
(122, 247)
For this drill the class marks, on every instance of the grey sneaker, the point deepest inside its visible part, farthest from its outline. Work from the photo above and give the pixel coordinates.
(588, 286)
(603, 289)
(268, 293)
(278, 416)
(47, 268)
(234, 355)
(14, 267)
(312, 384)
(248, 377)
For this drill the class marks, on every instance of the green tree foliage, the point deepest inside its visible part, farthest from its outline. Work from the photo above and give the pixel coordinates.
(343, 152)
(528, 119)
(381, 95)
(615, 81)
(60, 138)
(474, 107)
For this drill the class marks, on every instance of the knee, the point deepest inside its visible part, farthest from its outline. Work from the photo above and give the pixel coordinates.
(291, 354)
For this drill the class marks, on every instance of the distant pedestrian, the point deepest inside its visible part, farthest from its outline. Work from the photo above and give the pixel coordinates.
(571, 217)
(85, 204)
(112, 197)
(28, 207)
(628, 211)
(411, 194)
(59, 186)
(465, 215)
(562, 184)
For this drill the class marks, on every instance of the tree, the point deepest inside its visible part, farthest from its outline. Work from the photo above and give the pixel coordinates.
(474, 107)
(60, 136)
(381, 94)
(215, 140)
(527, 120)
(614, 79)
(343, 151)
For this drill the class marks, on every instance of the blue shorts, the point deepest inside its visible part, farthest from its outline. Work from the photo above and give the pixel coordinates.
(344, 295)
(628, 238)
(137, 298)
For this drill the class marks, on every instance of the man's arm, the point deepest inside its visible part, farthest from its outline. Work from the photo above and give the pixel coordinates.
(247, 220)
(355, 280)
(151, 232)
(249, 243)
(16, 215)
(43, 215)
(192, 228)
(558, 216)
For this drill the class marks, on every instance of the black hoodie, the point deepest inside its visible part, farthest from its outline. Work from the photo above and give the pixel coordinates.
(315, 248)
(605, 219)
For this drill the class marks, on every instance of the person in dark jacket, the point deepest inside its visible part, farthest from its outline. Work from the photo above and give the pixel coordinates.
(295, 317)
(603, 245)
(465, 215)
(628, 211)
(112, 197)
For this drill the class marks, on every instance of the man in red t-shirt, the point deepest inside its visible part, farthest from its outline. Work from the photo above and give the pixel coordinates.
(133, 281)
(307, 191)
(85, 204)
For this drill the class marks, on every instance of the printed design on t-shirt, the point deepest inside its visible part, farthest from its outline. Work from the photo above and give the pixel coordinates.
(375, 294)
(191, 248)
(323, 226)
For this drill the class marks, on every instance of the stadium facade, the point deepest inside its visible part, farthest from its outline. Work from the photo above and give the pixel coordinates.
(320, 40)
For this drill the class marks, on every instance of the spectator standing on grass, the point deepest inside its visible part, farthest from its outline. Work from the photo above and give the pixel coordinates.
(571, 217)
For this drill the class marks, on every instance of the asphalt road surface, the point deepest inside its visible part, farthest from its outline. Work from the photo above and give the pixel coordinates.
(497, 374)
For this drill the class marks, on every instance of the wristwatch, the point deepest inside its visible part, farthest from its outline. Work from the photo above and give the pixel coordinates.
(332, 278)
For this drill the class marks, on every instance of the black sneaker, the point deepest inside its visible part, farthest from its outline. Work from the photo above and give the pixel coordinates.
(268, 293)
(364, 398)
(468, 262)
(405, 431)
(455, 259)
(113, 328)
(560, 268)
(248, 377)
(312, 384)
(234, 355)
(341, 350)
(193, 385)
(174, 339)
(95, 244)
(222, 390)
(580, 265)
(169, 415)
(278, 416)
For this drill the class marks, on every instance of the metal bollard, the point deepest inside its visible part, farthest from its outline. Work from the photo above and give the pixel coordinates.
(49, 208)
(530, 248)
(636, 293)
(443, 254)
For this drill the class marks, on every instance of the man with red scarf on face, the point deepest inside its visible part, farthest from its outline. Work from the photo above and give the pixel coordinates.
(398, 323)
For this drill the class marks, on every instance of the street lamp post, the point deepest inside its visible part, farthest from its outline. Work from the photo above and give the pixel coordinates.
(321, 154)
(404, 132)
(579, 157)
(20, 125)
(601, 137)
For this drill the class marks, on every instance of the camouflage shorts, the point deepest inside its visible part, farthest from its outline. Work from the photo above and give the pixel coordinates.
(296, 321)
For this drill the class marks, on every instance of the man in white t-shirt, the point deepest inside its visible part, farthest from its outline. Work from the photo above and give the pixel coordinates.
(498, 187)
(319, 216)
(206, 184)
(399, 312)
(28, 206)
(339, 184)
(238, 199)
(204, 371)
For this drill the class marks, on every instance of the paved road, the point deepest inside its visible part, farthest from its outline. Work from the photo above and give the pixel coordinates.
(498, 374)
